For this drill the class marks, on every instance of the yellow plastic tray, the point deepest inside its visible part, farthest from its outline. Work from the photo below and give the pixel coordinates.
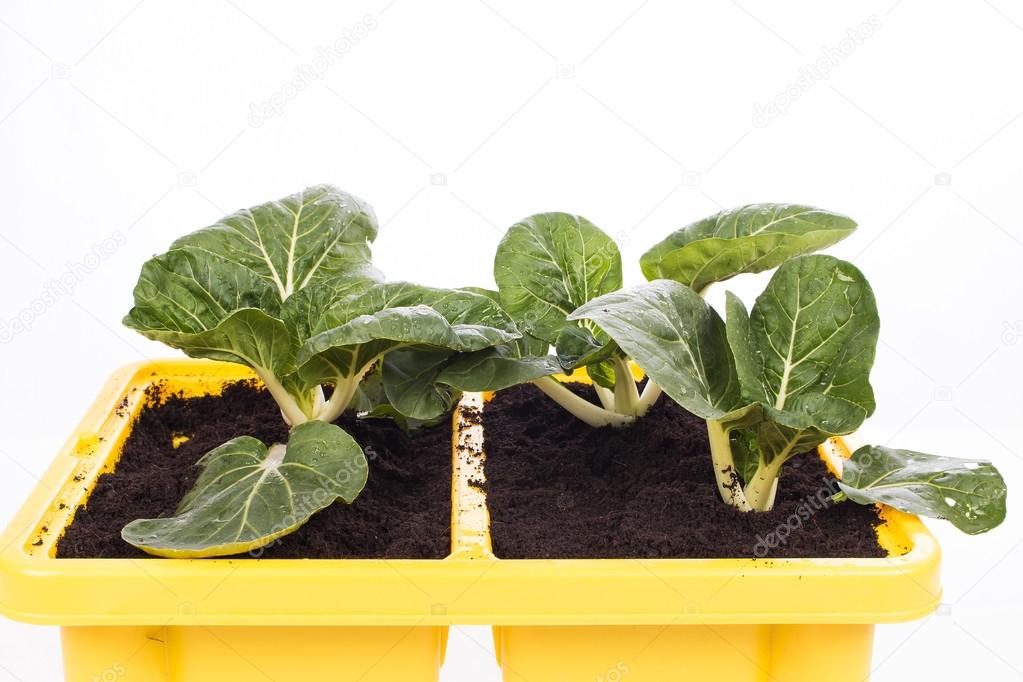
(786, 620)
(170, 620)
(223, 619)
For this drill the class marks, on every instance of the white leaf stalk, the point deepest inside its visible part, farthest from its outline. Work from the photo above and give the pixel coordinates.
(344, 390)
(760, 491)
(651, 392)
(626, 394)
(317, 407)
(725, 472)
(290, 409)
(619, 407)
(581, 408)
(606, 396)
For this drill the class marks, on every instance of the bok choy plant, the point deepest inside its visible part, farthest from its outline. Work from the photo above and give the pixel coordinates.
(287, 288)
(777, 381)
(545, 267)
(551, 263)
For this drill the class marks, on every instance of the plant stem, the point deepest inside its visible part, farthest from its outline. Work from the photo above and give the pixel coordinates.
(290, 410)
(580, 407)
(626, 393)
(344, 390)
(318, 400)
(724, 466)
(651, 392)
(606, 396)
(760, 491)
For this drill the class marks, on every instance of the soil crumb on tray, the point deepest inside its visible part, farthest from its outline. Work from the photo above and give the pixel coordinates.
(558, 488)
(403, 512)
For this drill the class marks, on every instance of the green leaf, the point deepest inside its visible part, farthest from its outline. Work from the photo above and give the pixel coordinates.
(187, 300)
(751, 238)
(578, 346)
(969, 493)
(777, 440)
(492, 294)
(813, 334)
(530, 346)
(355, 332)
(247, 336)
(805, 354)
(410, 379)
(304, 310)
(548, 265)
(208, 309)
(602, 373)
(319, 234)
(740, 339)
(240, 290)
(186, 291)
(501, 366)
(678, 340)
(370, 393)
(370, 402)
(249, 495)
(745, 452)
(496, 368)
(407, 424)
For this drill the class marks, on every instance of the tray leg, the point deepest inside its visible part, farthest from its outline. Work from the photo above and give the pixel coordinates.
(114, 654)
(247, 653)
(807, 653)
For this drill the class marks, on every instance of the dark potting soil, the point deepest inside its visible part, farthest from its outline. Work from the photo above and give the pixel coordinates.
(560, 489)
(403, 512)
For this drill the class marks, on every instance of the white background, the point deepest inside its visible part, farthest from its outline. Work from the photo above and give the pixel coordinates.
(132, 121)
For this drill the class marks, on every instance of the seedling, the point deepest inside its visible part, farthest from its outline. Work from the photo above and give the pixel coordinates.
(287, 288)
(551, 263)
(776, 382)
(546, 266)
